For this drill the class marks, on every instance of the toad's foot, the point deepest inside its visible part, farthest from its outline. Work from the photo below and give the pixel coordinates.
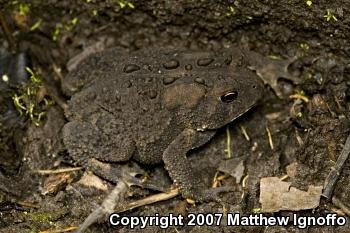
(115, 172)
(212, 194)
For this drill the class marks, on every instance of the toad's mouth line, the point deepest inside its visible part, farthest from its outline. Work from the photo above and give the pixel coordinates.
(244, 112)
(206, 127)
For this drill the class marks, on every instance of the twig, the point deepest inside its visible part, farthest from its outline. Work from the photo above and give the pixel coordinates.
(244, 132)
(333, 175)
(53, 93)
(148, 200)
(299, 97)
(228, 153)
(284, 177)
(244, 185)
(68, 229)
(6, 30)
(48, 172)
(217, 179)
(341, 205)
(28, 204)
(106, 207)
(269, 137)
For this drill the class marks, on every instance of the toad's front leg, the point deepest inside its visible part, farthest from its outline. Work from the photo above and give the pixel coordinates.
(179, 168)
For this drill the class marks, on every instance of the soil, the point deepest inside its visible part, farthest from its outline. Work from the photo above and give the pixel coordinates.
(308, 132)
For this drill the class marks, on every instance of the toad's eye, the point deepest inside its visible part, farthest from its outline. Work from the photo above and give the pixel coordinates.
(229, 96)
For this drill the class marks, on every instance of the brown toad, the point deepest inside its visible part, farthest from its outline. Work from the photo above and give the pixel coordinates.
(155, 106)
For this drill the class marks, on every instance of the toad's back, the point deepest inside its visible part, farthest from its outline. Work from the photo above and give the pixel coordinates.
(114, 62)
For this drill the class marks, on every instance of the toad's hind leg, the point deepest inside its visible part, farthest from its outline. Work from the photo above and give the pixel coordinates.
(84, 141)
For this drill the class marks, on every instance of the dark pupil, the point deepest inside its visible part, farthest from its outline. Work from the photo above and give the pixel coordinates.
(229, 97)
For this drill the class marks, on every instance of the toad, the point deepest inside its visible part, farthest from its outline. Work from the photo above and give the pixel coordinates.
(154, 106)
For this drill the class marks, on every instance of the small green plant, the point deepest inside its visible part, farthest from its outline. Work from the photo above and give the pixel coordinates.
(274, 57)
(23, 8)
(126, 4)
(304, 46)
(256, 210)
(299, 115)
(330, 15)
(36, 25)
(74, 21)
(64, 27)
(231, 10)
(308, 2)
(27, 102)
(56, 33)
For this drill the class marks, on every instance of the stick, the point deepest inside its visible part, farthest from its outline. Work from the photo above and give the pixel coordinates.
(148, 200)
(7, 33)
(333, 175)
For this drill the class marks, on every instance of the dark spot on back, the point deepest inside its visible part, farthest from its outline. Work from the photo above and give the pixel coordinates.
(228, 60)
(199, 80)
(130, 68)
(204, 61)
(188, 67)
(127, 84)
(168, 80)
(148, 80)
(171, 64)
(152, 94)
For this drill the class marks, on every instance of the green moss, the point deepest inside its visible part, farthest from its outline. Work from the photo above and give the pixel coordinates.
(330, 15)
(26, 100)
(308, 2)
(299, 115)
(304, 46)
(256, 210)
(303, 49)
(24, 8)
(231, 10)
(126, 4)
(56, 32)
(64, 26)
(38, 220)
(36, 25)
(40, 217)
